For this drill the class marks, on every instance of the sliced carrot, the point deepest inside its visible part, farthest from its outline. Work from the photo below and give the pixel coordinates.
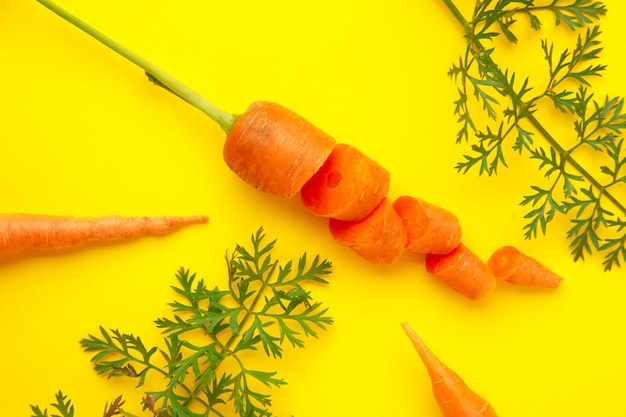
(454, 397)
(347, 187)
(379, 238)
(275, 149)
(430, 228)
(23, 232)
(463, 271)
(511, 265)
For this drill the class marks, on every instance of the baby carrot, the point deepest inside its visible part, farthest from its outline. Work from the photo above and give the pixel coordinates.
(511, 265)
(23, 232)
(378, 238)
(454, 397)
(463, 271)
(274, 149)
(347, 187)
(431, 229)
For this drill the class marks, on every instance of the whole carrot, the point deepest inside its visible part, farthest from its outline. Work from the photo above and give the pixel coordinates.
(454, 397)
(23, 232)
(463, 271)
(274, 149)
(347, 187)
(430, 228)
(510, 264)
(379, 238)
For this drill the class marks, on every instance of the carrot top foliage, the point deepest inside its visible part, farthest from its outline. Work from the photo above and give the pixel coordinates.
(203, 357)
(591, 198)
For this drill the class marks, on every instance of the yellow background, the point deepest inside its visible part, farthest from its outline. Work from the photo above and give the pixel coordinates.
(82, 133)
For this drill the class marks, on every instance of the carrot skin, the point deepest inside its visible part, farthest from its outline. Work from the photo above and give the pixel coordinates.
(274, 149)
(347, 187)
(454, 397)
(511, 265)
(463, 271)
(431, 229)
(379, 238)
(24, 232)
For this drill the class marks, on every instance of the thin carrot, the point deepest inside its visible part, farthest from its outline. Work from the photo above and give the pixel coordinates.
(275, 149)
(431, 229)
(454, 397)
(463, 271)
(511, 265)
(379, 238)
(23, 232)
(347, 187)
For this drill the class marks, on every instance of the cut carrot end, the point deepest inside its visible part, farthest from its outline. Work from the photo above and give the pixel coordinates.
(510, 264)
(347, 187)
(275, 150)
(463, 271)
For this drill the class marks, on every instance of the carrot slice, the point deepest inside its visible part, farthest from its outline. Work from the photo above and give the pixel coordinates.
(430, 228)
(511, 265)
(463, 271)
(378, 238)
(274, 149)
(347, 187)
(454, 397)
(23, 232)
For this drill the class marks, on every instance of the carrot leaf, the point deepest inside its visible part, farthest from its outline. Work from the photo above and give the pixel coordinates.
(588, 191)
(201, 363)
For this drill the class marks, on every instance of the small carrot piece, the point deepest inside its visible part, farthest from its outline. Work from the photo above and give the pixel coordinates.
(274, 149)
(430, 228)
(454, 397)
(463, 271)
(379, 238)
(23, 232)
(511, 265)
(347, 187)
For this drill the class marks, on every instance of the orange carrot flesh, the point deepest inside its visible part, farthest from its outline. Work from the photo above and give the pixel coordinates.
(430, 229)
(23, 232)
(463, 271)
(454, 397)
(379, 238)
(511, 265)
(347, 187)
(274, 149)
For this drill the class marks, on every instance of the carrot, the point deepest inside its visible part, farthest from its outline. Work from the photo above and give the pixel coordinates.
(347, 187)
(454, 397)
(23, 232)
(378, 238)
(431, 229)
(463, 271)
(511, 265)
(275, 149)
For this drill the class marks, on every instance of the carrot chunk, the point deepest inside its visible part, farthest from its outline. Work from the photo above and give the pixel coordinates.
(463, 271)
(431, 229)
(454, 397)
(511, 265)
(347, 187)
(379, 238)
(274, 149)
(23, 232)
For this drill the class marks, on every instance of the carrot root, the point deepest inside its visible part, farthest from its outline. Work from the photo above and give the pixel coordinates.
(511, 265)
(430, 229)
(347, 187)
(274, 149)
(23, 232)
(463, 271)
(379, 238)
(454, 397)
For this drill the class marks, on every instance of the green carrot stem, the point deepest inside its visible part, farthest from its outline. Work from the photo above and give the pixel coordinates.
(158, 76)
(533, 120)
